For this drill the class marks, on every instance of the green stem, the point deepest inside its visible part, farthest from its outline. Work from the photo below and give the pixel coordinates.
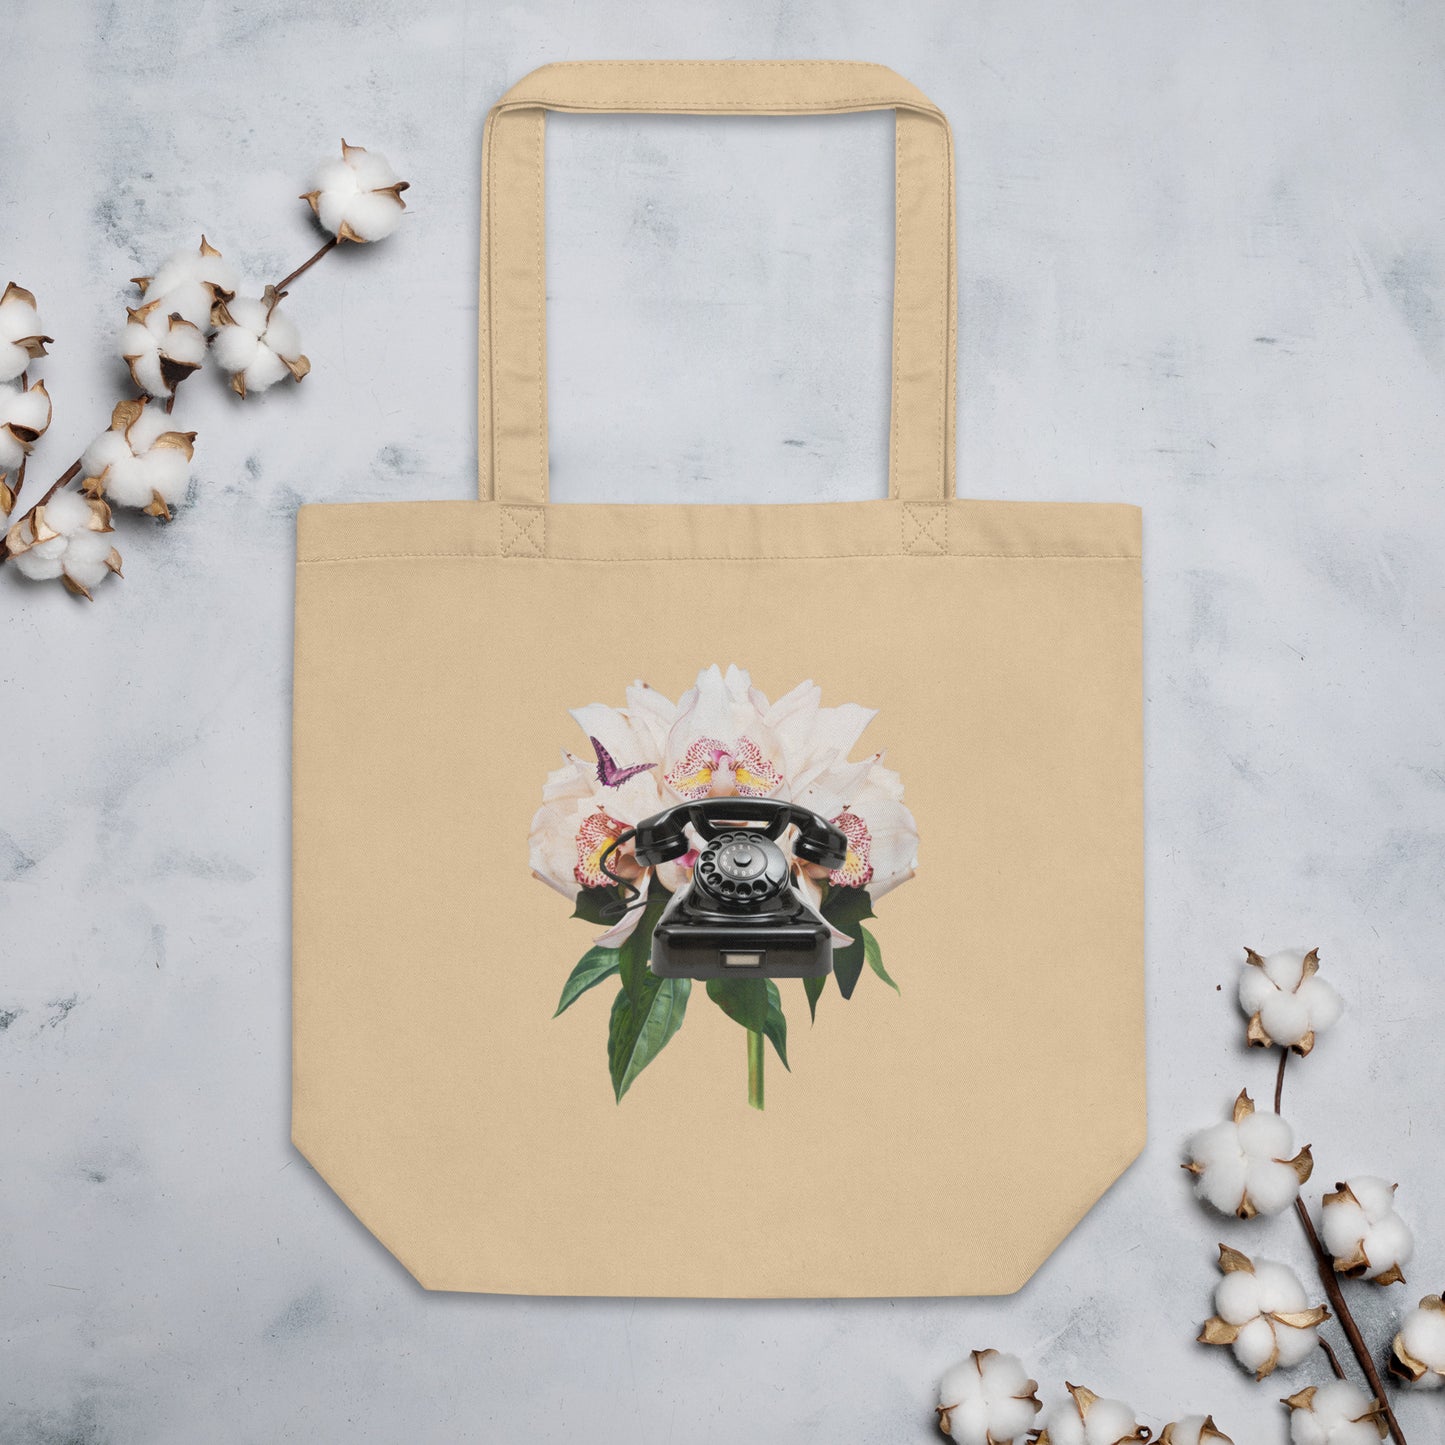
(755, 1069)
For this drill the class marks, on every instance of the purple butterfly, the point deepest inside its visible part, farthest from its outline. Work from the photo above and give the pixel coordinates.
(608, 773)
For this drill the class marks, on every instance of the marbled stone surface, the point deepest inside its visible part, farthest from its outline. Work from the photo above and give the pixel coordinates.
(1202, 269)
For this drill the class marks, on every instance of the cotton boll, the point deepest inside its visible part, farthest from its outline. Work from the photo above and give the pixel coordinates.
(1194, 1430)
(87, 558)
(24, 416)
(1334, 1414)
(1088, 1420)
(987, 1399)
(1286, 1002)
(1262, 1312)
(139, 462)
(160, 349)
(258, 343)
(1242, 1166)
(66, 537)
(190, 283)
(1418, 1353)
(1362, 1231)
(357, 198)
(22, 338)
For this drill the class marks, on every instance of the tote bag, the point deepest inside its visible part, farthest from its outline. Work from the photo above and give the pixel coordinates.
(526, 1056)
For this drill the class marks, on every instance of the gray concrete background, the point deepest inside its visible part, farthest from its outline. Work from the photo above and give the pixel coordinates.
(1202, 269)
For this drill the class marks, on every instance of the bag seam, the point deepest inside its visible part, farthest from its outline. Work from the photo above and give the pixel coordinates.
(700, 557)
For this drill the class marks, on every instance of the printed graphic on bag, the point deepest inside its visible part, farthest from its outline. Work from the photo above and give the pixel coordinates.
(723, 839)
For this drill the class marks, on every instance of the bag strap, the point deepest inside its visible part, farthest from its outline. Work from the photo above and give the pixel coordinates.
(512, 359)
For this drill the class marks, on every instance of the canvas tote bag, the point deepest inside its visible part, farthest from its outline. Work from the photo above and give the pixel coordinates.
(930, 706)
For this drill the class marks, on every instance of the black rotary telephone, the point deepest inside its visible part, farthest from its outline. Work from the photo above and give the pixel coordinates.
(740, 916)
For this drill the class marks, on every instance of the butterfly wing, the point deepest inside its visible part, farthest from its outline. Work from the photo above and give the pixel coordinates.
(608, 773)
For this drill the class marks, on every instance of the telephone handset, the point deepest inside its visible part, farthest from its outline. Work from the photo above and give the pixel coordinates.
(740, 915)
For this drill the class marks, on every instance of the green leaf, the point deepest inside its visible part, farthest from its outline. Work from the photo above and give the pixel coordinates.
(756, 1005)
(742, 999)
(845, 909)
(874, 955)
(591, 902)
(814, 987)
(775, 1026)
(639, 1030)
(636, 948)
(594, 965)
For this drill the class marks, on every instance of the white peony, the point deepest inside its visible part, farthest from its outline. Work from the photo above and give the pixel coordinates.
(1262, 1312)
(1243, 1166)
(1418, 1354)
(22, 336)
(722, 738)
(191, 283)
(357, 198)
(257, 343)
(137, 461)
(1194, 1430)
(1335, 1414)
(1286, 1001)
(1088, 1420)
(987, 1399)
(160, 349)
(24, 416)
(1362, 1231)
(66, 537)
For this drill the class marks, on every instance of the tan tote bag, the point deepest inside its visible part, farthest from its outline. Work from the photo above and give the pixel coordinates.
(789, 945)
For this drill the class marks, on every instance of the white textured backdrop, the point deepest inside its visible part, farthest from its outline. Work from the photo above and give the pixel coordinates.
(1202, 269)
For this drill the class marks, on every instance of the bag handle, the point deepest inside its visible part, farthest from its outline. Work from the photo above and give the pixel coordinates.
(512, 359)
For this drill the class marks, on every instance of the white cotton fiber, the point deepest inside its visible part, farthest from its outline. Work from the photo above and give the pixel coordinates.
(356, 192)
(1364, 1222)
(1107, 1422)
(1335, 1416)
(18, 322)
(68, 512)
(189, 282)
(988, 1399)
(1423, 1333)
(1289, 1007)
(257, 344)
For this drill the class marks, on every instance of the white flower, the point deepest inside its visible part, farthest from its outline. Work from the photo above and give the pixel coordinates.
(137, 462)
(1287, 1004)
(357, 198)
(257, 343)
(22, 338)
(1262, 1312)
(1362, 1231)
(1418, 1354)
(1088, 1420)
(722, 738)
(191, 283)
(24, 416)
(726, 739)
(1194, 1430)
(1243, 1165)
(160, 349)
(66, 537)
(579, 818)
(988, 1399)
(1335, 1414)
